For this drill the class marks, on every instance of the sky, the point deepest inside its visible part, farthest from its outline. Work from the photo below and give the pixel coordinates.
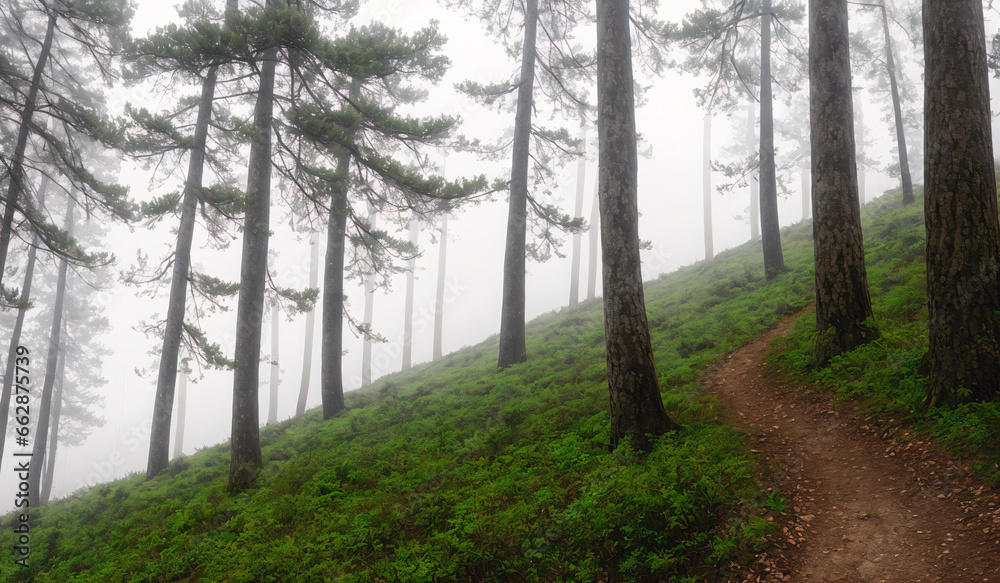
(670, 202)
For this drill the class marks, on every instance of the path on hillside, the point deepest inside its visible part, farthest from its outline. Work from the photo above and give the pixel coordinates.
(866, 504)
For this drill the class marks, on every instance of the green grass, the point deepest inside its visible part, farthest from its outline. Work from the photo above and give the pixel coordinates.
(885, 375)
(457, 472)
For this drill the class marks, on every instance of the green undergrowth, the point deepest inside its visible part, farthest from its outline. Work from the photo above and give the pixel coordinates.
(456, 472)
(885, 376)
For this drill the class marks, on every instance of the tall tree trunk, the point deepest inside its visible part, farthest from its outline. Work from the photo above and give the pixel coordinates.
(770, 227)
(860, 148)
(57, 400)
(960, 207)
(754, 182)
(272, 410)
(15, 188)
(51, 359)
(366, 347)
(843, 306)
(245, 454)
(307, 349)
(439, 301)
(890, 65)
(512, 347)
(408, 308)
(706, 180)
(15, 341)
(581, 176)
(595, 240)
(159, 439)
(636, 407)
(332, 343)
(181, 414)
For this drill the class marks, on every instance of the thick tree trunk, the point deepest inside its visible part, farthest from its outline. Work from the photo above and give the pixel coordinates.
(15, 179)
(860, 149)
(51, 360)
(272, 409)
(408, 308)
(581, 176)
(512, 348)
(754, 182)
(770, 227)
(159, 439)
(332, 343)
(181, 414)
(366, 347)
(595, 240)
(307, 349)
(843, 307)
(904, 164)
(636, 407)
(706, 180)
(245, 454)
(439, 301)
(15, 341)
(57, 400)
(960, 206)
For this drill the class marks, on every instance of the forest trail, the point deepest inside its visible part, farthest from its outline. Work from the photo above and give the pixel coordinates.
(865, 503)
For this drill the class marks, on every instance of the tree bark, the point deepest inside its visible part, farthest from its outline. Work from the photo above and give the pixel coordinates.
(307, 349)
(770, 227)
(245, 454)
(860, 149)
(15, 188)
(332, 343)
(706, 180)
(637, 410)
(272, 410)
(512, 346)
(843, 306)
(181, 414)
(15, 341)
(159, 439)
(581, 176)
(408, 308)
(51, 359)
(595, 240)
(439, 301)
(960, 207)
(904, 164)
(366, 347)
(754, 183)
(57, 400)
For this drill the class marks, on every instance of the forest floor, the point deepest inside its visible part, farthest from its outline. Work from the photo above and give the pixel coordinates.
(865, 500)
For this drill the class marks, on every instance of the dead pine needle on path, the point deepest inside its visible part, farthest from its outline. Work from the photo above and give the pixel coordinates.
(861, 503)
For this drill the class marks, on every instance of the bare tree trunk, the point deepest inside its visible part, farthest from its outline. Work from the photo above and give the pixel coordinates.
(57, 400)
(15, 341)
(245, 454)
(707, 186)
(332, 343)
(754, 183)
(581, 176)
(770, 227)
(904, 164)
(636, 407)
(307, 349)
(51, 359)
(595, 240)
(181, 414)
(860, 148)
(15, 177)
(272, 410)
(408, 309)
(366, 347)
(512, 347)
(843, 307)
(960, 207)
(159, 439)
(439, 302)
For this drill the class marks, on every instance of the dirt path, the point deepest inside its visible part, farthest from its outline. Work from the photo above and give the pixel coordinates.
(865, 503)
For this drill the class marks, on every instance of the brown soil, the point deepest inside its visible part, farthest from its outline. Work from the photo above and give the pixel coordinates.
(867, 501)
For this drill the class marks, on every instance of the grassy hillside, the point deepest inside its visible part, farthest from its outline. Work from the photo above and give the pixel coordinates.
(457, 472)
